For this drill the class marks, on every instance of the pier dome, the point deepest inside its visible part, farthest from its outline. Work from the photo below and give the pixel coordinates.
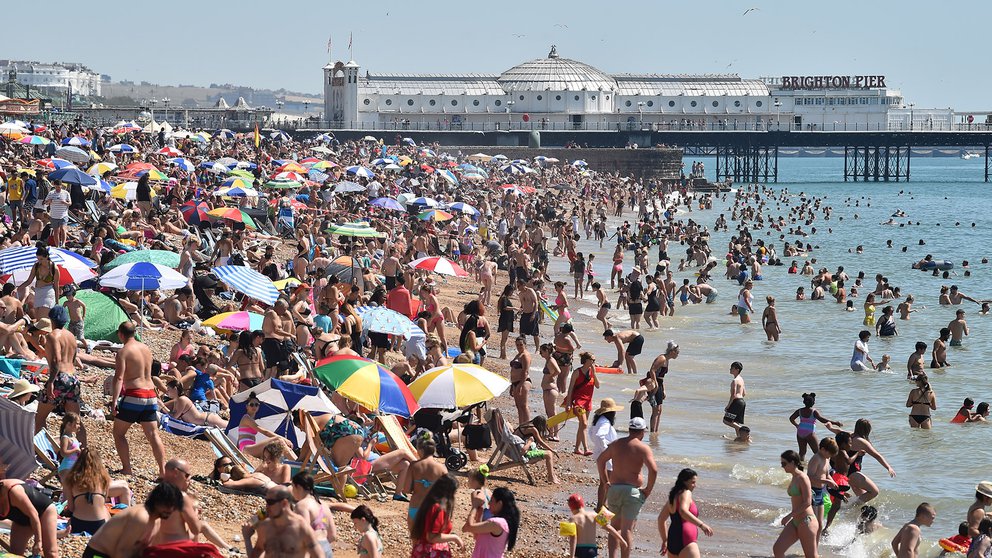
(555, 74)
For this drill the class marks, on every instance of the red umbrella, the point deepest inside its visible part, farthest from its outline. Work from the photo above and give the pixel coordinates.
(437, 264)
(195, 212)
(427, 168)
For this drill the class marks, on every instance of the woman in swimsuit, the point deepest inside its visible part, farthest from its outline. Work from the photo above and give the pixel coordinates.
(561, 306)
(367, 525)
(435, 321)
(653, 307)
(617, 272)
(520, 382)
(565, 345)
(182, 408)
(46, 283)
(273, 465)
(804, 419)
(184, 346)
(769, 320)
(549, 384)
(87, 490)
(234, 477)
(800, 524)
(248, 431)
(604, 305)
(314, 512)
(869, 310)
(422, 474)
(579, 399)
(921, 401)
(680, 539)
(31, 513)
(863, 486)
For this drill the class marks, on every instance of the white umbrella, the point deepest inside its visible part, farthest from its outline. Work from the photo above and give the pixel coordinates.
(279, 400)
(248, 281)
(457, 385)
(72, 153)
(143, 276)
(16, 439)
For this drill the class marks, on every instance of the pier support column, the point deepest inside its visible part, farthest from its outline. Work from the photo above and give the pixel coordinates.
(876, 163)
(747, 163)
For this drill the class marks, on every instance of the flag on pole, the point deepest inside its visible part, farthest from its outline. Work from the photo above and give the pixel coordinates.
(258, 138)
(349, 41)
(328, 45)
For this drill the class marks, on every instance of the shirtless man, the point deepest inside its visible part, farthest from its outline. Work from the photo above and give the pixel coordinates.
(733, 413)
(13, 308)
(391, 268)
(420, 245)
(275, 331)
(127, 534)
(529, 324)
(818, 471)
(914, 365)
(976, 513)
(133, 375)
(906, 543)
(177, 308)
(625, 496)
(959, 329)
(634, 342)
(185, 525)
(957, 296)
(905, 308)
(939, 353)
(62, 389)
(284, 533)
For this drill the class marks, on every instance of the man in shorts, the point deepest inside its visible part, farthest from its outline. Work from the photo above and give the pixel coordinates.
(133, 376)
(62, 390)
(634, 342)
(625, 495)
(529, 322)
(733, 413)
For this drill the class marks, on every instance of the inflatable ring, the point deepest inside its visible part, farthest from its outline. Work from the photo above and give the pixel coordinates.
(951, 546)
(942, 265)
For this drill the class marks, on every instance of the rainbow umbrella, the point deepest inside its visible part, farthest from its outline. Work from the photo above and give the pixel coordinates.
(153, 174)
(434, 215)
(233, 214)
(321, 165)
(236, 182)
(34, 140)
(236, 321)
(195, 212)
(242, 174)
(457, 385)
(367, 383)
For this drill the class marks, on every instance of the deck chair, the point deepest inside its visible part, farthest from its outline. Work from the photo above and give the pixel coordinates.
(395, 436)
(47, 453)
(93, 210)
(509, 452)
(224, 447)
(315, 458)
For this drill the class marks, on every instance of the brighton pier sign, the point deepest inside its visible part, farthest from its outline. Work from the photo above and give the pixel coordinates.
(833, 82)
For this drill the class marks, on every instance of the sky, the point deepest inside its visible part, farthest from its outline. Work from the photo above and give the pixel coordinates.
(934, 55)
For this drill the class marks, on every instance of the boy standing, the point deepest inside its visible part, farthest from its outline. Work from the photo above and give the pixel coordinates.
(77, 312)
(583, 543)
(733, 413)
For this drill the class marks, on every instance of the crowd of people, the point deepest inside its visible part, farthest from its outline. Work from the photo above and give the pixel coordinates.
(345, 226)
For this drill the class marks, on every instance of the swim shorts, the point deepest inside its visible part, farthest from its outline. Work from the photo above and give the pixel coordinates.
(742, 310)
(818, 494)
(635, 346)
(586, 551)
(138, 405)
(67, 390)
(529, 324)
(624, 500)
(711, 297)
(735, 413)
(635, 308)
(955, 342)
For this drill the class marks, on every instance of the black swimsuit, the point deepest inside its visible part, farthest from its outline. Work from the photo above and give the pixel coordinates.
(38, 500)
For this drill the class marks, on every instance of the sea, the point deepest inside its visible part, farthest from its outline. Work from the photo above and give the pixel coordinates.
(741, 489)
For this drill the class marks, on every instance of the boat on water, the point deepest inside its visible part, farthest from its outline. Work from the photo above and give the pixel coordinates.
(970, 155)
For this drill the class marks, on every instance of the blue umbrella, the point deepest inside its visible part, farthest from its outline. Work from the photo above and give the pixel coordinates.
(448, 175)
(76, 141)
(383, 320)
(72, 175)
(380, 162)
(426, 202)
(358, 170)
(248, 281)
(464, 208)
(279, 401)
(184, 164)
(579, 163)
(468, 167)
(61, 163)
(224, 133)
(324, 138)
(409, 141)
(143, 276)
(101, 185)
(23, 257)
(122, 148)
(279, 135)
(387, 203)
(317, 176)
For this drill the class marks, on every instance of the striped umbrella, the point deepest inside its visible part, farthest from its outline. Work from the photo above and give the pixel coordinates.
(54, 163)
(283, 184)
(323, 165)
(68, 273)
(16, 439)
(73, 153)
(435, 215)
(347, 186)
(153, 174)
(236, 182)
(34, 140)
(128, 191)
(426, 202)
(123, 148)
(233, 214)
(367, 383)
(183, 164)
(437, 264)
(292, 166)
(387, 203)
(279, 401)
(279, 135)
(464, 208)
(161, 257)
(235, 321)
(457, 385)
(22, 257)
(357, 229)
(170, 152)
(360, 171)
(240, 173)
(143, 276)
(195, 213)
(448, 176)
(216, 168)
(224, 133)
(237, 192)
(100, 169)
(248, 281)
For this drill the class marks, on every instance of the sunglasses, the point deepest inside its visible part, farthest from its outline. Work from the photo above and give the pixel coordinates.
(254, 405)
(184, 472)
(273, 501)
(226, 465)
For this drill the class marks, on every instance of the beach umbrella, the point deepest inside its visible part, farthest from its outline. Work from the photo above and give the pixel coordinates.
(164, 258)
(237, 193)
(344, 187)
(71, 271)
(128, 191)
(392, 167)
(279, 135)
(287, 283)
(248, 281)
(143, 276)
(481, 157)
(469, 167)
(17, 439)
(325, 138)
(215, 167)
(153, 174)
(360, 171)
(195, 213)
(438, 264)
(424, 152)
(54, 163)
(291, 166)
(183, 164)
(229, 162)
(380, 162)
(279, 402)
(410, 142)
(15, 128)
(435, 215)
(387, 203)
(317, 176)
(101, 185)
(324, 165)
(21, 257)
(290, 175)
(448, 176)
(367, 383)
(73, 154)
(72, 175)
(426, 202)
(370, 139)
(357, 229)
(170, 152)
(346, 273)
(100, 169)
(241, 173)
(457, 385)
(514, 168)
(236, 182)
(579, 163)
(34, 140)
(233, 214)
(518, 188)
(283, 184)
(380, 319)
(123, 148)
(464, 208)
(404, 160)
(224, 133)
(235, 321)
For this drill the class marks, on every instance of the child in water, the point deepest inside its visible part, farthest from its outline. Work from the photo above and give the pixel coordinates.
(583, 543)
(883, 364)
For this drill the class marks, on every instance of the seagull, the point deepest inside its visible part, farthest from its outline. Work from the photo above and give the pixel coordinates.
(561, 25)
(519, 35)
(749, 10)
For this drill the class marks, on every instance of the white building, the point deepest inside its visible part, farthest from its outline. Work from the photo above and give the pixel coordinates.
(58, 77)
(557, 93)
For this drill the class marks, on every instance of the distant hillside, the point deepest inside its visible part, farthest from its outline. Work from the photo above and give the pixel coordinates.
(194, 96)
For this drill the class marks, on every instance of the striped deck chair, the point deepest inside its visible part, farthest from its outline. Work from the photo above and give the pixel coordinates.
(509, 452)
(224, 447)
(47, 452)
(183, 428)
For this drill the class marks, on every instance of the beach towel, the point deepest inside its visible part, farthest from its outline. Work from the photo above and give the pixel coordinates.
(182, 549)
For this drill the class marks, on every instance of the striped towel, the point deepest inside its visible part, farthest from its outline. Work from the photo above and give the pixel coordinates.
(182, 428)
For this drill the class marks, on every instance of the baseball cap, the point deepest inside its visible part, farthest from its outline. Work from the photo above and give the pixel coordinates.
(637, 423)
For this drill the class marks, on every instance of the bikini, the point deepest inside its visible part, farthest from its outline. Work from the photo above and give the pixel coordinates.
(86, 526)
(246, 437)
(362, 551)
(39, 501)
(793, 490)
(412, 511)
(920, 419)
(515, 364)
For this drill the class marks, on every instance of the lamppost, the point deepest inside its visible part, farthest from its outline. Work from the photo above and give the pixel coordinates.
(153, 103)
(911, 105)
(279, 105)
(165, 102)
(640, 115)
(509, 115)
(778, 115)
(306, 107)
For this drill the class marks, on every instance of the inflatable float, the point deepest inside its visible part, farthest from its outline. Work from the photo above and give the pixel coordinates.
(942, 265)
(951, 544)
(551, 314)
(608, 370)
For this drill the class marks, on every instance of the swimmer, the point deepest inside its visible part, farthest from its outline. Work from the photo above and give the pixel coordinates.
(804, 419)
(884, 364)
(939, 352)
(959, 329)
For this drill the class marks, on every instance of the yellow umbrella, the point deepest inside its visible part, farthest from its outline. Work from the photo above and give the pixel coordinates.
(457, 385)
(283, 283)
(101, 168)
(32, 172)
(128, 191)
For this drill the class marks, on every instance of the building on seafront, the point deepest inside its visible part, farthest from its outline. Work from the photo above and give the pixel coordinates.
(557, 93)
(56, 78)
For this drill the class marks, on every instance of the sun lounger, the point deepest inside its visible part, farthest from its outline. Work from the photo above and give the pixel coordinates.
(509, 451)
(315, 458)
(47, 452)
(224, 447)
(395, 436)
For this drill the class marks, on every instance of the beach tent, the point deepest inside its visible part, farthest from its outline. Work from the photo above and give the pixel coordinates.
(103, 316)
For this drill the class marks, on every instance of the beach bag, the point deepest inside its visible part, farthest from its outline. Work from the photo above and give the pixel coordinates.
(478, 436)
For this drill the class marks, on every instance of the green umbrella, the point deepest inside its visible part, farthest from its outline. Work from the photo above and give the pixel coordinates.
(358, 229)
(282, 184)
(103, 316)
(160, 257)
(242, 173)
